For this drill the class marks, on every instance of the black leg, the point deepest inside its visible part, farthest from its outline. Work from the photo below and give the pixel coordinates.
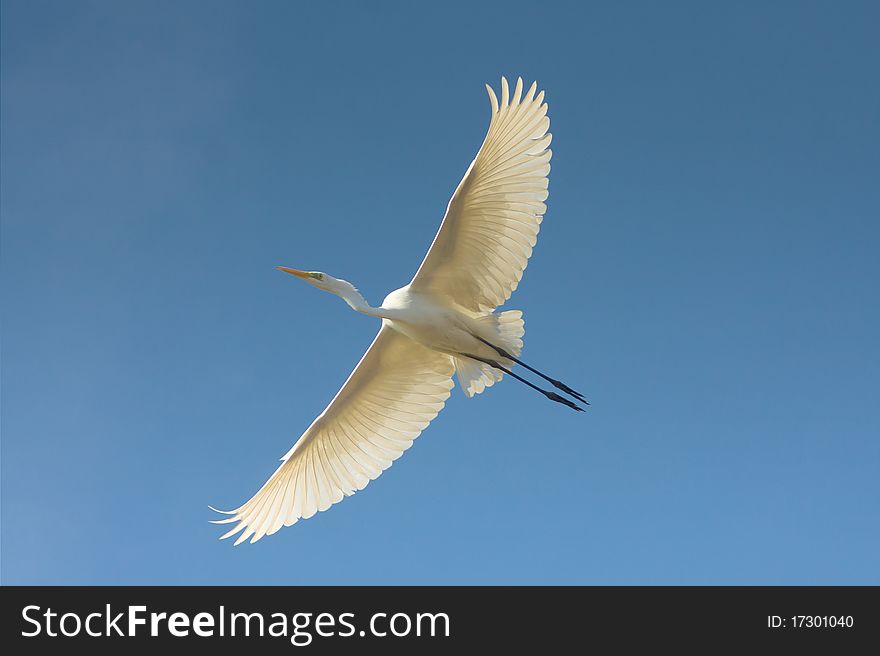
(556, 383)
(553, 396)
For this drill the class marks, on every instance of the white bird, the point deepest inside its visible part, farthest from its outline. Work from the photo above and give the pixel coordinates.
(442, 323)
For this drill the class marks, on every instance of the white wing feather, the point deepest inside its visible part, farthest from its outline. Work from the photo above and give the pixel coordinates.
(393, 393)
(492, 221)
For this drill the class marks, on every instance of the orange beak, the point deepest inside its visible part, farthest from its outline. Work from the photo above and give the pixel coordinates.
(294, 272)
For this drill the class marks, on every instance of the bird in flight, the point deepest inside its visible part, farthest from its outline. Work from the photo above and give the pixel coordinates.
(443, 323)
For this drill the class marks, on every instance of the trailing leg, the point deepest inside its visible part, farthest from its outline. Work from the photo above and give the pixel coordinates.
(556, 383)
(553, 396)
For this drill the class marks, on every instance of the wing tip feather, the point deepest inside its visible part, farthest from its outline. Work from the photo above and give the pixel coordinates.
(493, 99)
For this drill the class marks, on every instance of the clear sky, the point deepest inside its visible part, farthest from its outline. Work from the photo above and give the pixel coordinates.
(707, 274)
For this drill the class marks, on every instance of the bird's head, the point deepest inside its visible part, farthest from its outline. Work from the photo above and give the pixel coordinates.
(315, 278)
(328, 283)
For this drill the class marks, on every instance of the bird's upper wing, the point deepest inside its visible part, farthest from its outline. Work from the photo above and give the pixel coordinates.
(393, 393)
(492, 221)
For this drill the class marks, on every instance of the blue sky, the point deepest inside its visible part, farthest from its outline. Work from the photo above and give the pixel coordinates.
(706, 274)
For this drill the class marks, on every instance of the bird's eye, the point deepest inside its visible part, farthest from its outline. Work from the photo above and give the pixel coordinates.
(316, 275)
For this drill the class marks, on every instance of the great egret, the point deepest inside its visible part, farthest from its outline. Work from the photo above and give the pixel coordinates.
(442, 323)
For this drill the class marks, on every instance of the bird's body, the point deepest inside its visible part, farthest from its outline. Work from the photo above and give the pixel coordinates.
(443, 323)
(434, 324)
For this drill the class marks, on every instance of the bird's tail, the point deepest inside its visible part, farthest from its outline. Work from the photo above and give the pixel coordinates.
(504, 330)
(507, 328)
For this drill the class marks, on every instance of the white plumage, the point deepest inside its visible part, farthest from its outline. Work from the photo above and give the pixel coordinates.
(443, 322)
(491, 225)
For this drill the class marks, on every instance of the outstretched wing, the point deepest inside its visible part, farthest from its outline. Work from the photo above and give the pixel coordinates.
(492, 221)
(393, 393)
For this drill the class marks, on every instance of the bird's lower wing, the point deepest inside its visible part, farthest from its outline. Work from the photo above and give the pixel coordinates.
(492, 221)
(393, 393)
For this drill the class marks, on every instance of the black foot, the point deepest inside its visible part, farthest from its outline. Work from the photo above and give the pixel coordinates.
(553, 396)
(565, 388)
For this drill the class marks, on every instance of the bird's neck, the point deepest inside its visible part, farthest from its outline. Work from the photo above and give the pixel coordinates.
(354, 299)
